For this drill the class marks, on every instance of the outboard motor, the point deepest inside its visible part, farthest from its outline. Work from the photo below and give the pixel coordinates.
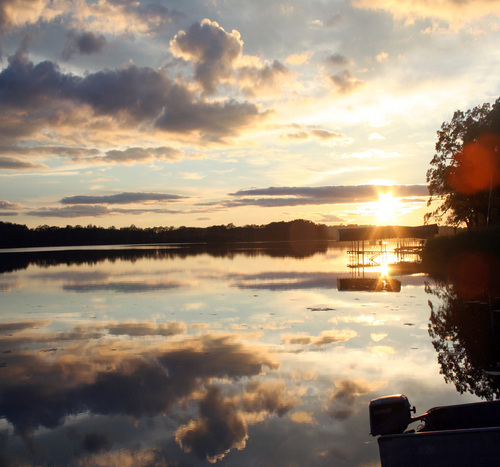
(390, 415)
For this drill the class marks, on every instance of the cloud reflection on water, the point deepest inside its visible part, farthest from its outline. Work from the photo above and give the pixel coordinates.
(115, 378)
(240, 360)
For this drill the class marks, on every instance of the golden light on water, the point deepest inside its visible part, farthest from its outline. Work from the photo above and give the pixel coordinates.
(384, 269)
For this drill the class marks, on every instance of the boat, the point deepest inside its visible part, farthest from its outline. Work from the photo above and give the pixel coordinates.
(453, 435)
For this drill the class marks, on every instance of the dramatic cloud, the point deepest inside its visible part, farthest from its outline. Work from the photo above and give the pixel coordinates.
(219, 428)
(85, 43)
(120, 89)
(212, 49)
(134, 93)
(149, 384)
(295, 196)
(121, 198)
(130, 96)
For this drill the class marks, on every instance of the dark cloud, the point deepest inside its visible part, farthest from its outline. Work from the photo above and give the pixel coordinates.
(267, 397)
(220, 357)
(129, 95)
(96, 442)
(4, 19)
(84, 43)
(71, 276)
(262, 78)
(71, 211)
(25, 86)
(121, 198)
(90, 155)
(146, 329)
(82, 210)
(71, 152)
(331, 336)
(12, 163)
(219, 428)
(337, 59)
(345, 83)
(324, 135)
(141, 93)
(211, 48)
(37, 391)
(134, 155)
(18, 339)
(13, 327)
(121, 286)
(343, 401)
(212, 121)
(296, 196)
(333, 20)
(298, 135)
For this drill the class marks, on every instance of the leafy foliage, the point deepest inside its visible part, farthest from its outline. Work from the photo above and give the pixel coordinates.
(465, 170)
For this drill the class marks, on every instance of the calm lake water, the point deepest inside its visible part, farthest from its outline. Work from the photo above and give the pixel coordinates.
(249, 356)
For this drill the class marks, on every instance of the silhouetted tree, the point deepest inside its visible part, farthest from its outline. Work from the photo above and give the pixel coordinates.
(465, 171)
(466, 337)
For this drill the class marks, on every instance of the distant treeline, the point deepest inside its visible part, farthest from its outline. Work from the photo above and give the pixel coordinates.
(18, 236)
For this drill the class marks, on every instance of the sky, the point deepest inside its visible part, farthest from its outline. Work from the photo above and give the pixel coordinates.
(199, 113)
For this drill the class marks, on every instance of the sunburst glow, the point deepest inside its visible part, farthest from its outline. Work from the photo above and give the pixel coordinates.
(386, 208)
(384, 269)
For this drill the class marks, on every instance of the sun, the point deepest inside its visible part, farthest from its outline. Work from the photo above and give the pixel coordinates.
(386, 208)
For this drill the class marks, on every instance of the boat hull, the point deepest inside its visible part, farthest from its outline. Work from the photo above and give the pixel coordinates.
(464, 447)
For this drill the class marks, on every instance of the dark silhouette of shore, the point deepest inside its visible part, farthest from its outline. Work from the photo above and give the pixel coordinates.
(20, 236)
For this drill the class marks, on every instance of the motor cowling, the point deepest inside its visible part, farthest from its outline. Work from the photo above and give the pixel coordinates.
(390, 415)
